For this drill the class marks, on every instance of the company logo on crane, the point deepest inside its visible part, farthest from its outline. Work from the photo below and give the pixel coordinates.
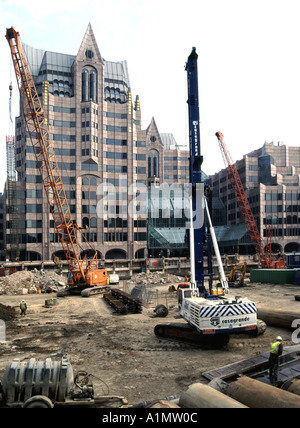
(195, 129)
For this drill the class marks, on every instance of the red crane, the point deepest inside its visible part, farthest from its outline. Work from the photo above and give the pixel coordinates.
(263, 250)
(85, 273)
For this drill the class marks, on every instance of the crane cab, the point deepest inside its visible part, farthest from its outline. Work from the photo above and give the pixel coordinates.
(217, 315)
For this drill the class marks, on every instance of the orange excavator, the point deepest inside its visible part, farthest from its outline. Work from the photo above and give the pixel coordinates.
(85, 277)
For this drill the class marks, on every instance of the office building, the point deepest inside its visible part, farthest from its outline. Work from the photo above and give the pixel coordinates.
(271, 179)
(107, 160)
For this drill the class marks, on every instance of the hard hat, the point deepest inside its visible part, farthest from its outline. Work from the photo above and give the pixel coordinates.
(279, 338)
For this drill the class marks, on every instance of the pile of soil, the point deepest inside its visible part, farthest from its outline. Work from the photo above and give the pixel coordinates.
(7, 313)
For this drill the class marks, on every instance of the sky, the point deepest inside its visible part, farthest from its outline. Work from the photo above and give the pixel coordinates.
(249, 67)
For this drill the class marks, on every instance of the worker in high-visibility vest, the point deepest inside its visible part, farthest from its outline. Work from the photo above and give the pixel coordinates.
(23, 307)
(274, 359)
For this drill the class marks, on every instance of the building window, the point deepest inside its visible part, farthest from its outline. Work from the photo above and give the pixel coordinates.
(153, 164)
(89, 85)
(85, 84)
(89, 54)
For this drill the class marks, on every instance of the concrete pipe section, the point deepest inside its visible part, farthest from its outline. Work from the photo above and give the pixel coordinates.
(201, 396)
(255, 394)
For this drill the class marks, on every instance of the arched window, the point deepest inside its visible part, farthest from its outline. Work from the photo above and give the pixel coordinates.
(93, 86)
(93, 222)
(85, 181)
(85, 222)
(85, 84)
(153, 164)
(89, 85)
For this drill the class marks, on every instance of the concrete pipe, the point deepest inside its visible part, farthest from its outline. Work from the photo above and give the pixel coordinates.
(292, 386)
(276, 317)
(200, 396)
(257, 395)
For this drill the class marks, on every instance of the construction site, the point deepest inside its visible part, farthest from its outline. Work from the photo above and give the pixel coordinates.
(127, 361)
(177, 333)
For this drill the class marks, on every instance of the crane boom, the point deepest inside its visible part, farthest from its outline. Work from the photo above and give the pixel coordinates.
(37, 126)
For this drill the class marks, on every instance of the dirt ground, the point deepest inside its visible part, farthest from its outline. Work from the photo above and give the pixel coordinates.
(121, 351)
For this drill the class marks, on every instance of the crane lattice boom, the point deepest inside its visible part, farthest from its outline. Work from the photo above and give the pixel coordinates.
(38, 130)
(246, 212)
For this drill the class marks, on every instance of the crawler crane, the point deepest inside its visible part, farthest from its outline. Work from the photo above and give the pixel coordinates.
(85, 276)
(211, 319)
(263, 249)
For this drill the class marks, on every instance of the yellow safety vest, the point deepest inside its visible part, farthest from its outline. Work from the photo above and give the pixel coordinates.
(22, 305)
(275, 347)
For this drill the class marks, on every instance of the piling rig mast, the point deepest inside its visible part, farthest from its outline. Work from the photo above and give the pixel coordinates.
(85, 273)
(262, 249)
(211, 318)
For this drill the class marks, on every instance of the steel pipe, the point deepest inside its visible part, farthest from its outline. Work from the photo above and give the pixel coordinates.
(277, 318)
(255, 394)
(201, 396)
(292, 386)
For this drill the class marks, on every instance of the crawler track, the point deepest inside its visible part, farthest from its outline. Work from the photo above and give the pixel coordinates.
(186, 333)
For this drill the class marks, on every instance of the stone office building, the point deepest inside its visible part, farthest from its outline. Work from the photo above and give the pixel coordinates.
(107, 160)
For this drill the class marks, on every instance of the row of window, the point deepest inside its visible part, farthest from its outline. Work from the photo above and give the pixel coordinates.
(175, 158)
(112, 128)
(58, 151)
(86, 222)
(63, 166)
(115, 155)
(36, 179)
(176, 168)
(282, 208)
(279, 220)
(177, 177)
(72, 110)
(280, 196)
(27, 238)
(115, 115)
(122, 236)
(283, 232)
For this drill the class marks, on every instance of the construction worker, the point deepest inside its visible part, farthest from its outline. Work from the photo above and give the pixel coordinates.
(23, 307)
(274, 359)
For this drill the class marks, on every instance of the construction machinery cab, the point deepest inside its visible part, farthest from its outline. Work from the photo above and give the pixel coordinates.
(237, 275)
(183, 293)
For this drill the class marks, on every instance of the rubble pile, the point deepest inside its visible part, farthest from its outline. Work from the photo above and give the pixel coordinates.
(156, 278)
(29, 282)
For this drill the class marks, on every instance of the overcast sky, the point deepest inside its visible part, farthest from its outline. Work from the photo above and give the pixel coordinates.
(249, 68)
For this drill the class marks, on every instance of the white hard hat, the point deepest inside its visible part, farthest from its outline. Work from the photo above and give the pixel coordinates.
(279, 338)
